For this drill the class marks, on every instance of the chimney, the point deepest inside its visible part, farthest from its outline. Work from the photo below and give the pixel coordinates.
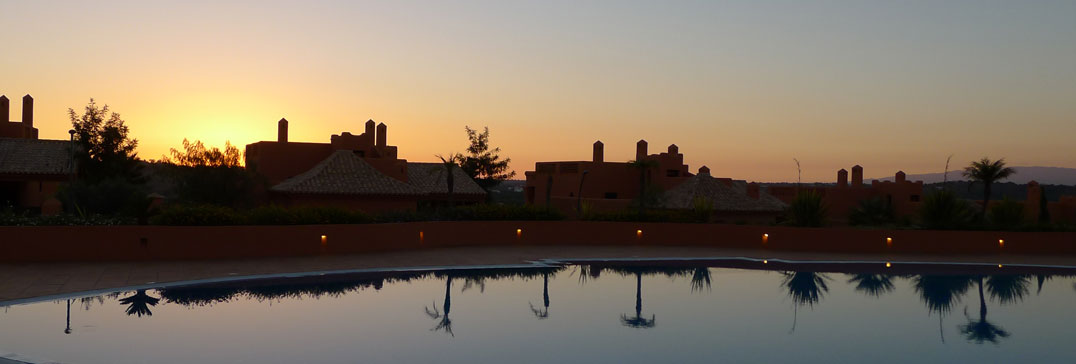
(370, 128)
(753, 190)
(673, 149)
(640, 150)
(282, 130)
(382, 135)
(857, 176)
(599, 152)
(842, 178)
(900, 177)
(704, 170)
(5, 109)
(27, 111)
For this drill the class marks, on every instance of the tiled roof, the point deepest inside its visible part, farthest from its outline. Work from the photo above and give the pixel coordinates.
(344, 173)
(430, 179)
(35, 156)
(725, 197)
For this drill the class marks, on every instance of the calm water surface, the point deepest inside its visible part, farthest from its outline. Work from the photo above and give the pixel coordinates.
(598, 313)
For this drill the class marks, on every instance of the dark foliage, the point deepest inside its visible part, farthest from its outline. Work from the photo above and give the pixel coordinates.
(484, 163)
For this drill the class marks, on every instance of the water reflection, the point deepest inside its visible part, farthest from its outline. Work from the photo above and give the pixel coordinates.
(940, 289)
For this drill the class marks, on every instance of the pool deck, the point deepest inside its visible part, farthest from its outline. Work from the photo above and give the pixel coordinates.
(28, 280)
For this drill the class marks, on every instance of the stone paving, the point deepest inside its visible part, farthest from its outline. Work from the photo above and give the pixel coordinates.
(22, 281)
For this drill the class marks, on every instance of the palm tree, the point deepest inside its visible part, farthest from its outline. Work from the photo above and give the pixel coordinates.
(443, 323)
(987, 172)
(941, 293)
(139, 303)
(874, 285)
(451, 162)
(543, 313)
(67, 330)
(1008, 288)
(638, 321)
(982, 331)
(700, 278)
(805, 288)
(644, 166)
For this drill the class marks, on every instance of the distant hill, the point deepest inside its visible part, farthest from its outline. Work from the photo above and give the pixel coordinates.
(1042, 175)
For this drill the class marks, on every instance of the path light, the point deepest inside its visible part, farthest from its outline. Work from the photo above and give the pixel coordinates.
(324, 240)
(638, 233)
(519, 233)
(1001, 242)
(888, 265)
(421, 236)
(888, 241)
(765, 238)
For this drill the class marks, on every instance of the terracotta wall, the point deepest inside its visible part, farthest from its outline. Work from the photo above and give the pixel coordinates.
(106, 243)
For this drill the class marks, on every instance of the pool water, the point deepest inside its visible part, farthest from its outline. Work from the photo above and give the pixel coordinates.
(597, 312)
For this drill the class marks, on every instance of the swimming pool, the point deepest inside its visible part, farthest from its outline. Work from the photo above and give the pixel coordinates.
(705, 310)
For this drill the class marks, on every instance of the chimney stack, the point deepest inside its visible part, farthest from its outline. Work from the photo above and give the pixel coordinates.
(640, 150)
(5, 109)
(673, 149)
(842, 178)
(857, 176)
(599, 152)
(282, 130)
(382, 135)
(900, 178)
(28, 111)
(704, 170)
(370, 125)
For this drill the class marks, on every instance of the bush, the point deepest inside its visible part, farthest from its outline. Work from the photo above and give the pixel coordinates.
(1007, 214)
(944, 210)
(874, 212)
(499, 212)
(648, 216)
(11, 218)
(807, 209)
(209, 215)
(114, 196)
(196, 215)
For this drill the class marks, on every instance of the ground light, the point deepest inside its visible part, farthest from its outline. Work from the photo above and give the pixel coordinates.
(519, 233)
(638, 233)
(765, 238)
(421, 236)
(888, 265)
(765, 261)
(324, 240)
(888, 241)
(1001, 242)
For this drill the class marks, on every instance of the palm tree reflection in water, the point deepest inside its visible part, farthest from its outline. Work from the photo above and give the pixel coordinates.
(443, 323)
(543, 313)
(1006, 289)
(638, 321)
(700, 278)
(806, 289)
(874, 285)
(941, 293)
(139, 303)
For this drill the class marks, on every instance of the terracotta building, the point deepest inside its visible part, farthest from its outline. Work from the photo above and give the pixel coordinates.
(1061, 211)
(843, 197)
(31, 169)
(354, 171)
(604, 185)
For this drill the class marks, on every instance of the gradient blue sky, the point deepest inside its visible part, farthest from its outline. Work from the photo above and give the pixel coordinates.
(740, 86)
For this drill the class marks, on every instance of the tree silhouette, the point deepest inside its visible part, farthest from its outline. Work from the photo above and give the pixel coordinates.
(805, 289)
(443, 322)
(543, 313)
(139, 303)
(644, 166)
(700, 278)
(874, 285)
(987, 172)
(638, 321)
(483, 163)
(105, 148)
(941, 293)
(450, 162)
(982, 330)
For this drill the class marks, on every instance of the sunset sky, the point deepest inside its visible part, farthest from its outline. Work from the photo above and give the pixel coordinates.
(740, 86)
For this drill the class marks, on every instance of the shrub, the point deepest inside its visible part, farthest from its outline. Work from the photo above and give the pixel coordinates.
(1007, 214)
(875, 211)
(196, 215)
(12, 218)
(647, 216)
(500, 212)
(944, 210)
(115, 196)
(807, 209)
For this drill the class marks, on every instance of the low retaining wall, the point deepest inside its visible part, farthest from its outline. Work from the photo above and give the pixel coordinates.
(134, 243)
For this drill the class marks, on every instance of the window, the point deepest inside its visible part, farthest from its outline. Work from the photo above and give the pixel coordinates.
(610, 195)
(672, 173)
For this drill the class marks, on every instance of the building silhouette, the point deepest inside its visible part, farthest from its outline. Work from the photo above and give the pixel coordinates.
(353, 171)
(904, 196)
(31, 169)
